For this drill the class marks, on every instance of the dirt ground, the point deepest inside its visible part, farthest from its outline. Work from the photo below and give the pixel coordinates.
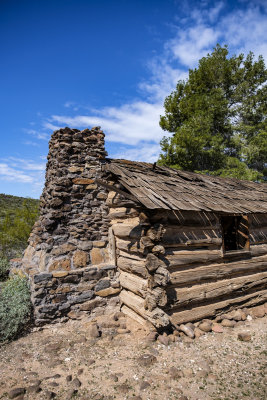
(63, 362)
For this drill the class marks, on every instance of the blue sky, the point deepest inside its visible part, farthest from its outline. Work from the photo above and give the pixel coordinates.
(82, 63)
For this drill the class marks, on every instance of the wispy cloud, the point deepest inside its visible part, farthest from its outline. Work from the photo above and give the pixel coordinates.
(20, 170)
(137, 123)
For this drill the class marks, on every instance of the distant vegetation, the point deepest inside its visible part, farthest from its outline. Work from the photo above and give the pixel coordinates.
(17, 216)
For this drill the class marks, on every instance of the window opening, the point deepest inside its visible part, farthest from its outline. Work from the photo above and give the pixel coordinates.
(235, 232)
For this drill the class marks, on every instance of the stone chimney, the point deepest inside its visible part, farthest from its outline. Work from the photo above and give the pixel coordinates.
(72, 230)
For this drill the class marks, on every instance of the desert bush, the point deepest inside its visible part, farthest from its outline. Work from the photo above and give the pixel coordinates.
(4, 268)
(15, 307)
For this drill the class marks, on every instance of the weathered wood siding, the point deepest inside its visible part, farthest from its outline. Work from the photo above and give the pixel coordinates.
(172, 266)
(205, 282)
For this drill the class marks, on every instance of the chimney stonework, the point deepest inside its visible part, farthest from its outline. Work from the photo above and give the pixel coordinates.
(68, 255)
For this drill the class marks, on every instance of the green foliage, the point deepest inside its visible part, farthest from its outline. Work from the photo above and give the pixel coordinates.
(218, 118)
(15, 307)
(16, 224)
(4, 268)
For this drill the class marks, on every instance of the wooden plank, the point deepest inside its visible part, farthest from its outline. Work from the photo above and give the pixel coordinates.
(211, 310)
(258, 249)
(180, 297)
(133, 283)
(185, 257)
(218, 271)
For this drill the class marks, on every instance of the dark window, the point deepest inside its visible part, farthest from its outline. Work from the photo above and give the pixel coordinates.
(235, 232)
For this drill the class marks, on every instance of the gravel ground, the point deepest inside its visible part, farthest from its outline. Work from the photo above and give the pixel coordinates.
(63, 362)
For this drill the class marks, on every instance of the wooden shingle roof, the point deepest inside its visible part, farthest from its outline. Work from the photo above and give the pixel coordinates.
(158, 187)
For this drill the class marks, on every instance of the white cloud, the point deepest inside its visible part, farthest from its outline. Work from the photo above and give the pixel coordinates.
(144, 152)
(137, 123)
(37, 134)
(8, 173)
(13, 169)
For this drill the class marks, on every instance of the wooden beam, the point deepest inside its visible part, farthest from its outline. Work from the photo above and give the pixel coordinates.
(115, 189)
(180, 297)
(211, 310)
(218, 271)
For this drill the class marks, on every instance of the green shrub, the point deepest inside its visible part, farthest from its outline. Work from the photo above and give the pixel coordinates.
(4, 268)
(15, 307)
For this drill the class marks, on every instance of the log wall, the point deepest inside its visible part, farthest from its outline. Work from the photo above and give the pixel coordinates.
(173, 269)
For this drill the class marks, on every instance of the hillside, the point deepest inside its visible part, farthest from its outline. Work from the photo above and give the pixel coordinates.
(17, 216)
(10, 204)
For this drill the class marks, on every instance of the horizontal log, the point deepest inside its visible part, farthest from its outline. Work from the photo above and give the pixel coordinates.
(211, 310)
(133, 283)
(132, 266)
(157, 317)
(131, 256)
(218, 271)
(211, 243)
(176, 258)
(131, 246)
(132, 314)
(133, 230)
(122, 212)
(258, 249)
(174, 235)
(180, 297)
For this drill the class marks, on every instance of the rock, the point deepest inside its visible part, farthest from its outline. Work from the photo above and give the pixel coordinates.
(80, 371)
(49, 395)
(244, 337)
(93, 331)
(175, 373)
(228, 323)
(16, 392)
(80, 259)
(187, 372)
(123, 331)
(146, 360)
(201, 374)
(205, 326)
(257, 312)
(217, 328)
(211, 378)
(43, 277)
(198, 332)
(187, 330)
(108, 292)
(163, 340)
(102, 284)
(33, 389)
(69, 378)
(76, 383)
(91, 304)
(144, 385)
(123, 388)
(239, 323)
(183, 397)
(72, 393)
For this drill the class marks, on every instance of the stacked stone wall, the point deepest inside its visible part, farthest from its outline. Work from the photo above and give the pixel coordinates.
(68, 254)
(72, 231)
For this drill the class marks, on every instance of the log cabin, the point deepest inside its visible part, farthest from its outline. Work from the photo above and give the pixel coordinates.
(165, 246)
